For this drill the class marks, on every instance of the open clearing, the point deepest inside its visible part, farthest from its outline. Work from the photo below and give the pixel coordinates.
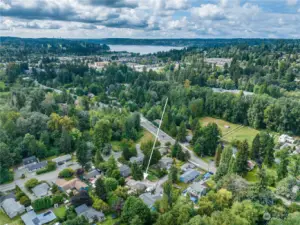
(231, 131)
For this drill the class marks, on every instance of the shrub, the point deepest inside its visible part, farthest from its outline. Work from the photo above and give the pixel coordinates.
(57, 199)
(19, 195)
(42, 203)
(50, 167)
(24, 200)
(100, 205)
(31, 183)
(66, 173)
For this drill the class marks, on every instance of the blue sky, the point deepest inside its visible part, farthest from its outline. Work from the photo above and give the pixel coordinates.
(151, 18)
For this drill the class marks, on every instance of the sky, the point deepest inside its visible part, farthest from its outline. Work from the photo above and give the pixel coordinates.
(150, 18)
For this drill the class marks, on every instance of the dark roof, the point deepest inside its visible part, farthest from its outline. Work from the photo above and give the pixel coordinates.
(81, 209)
(29, 160)
(36, 166)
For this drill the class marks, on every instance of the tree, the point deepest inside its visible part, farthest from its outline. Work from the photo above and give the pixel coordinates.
(218, 155)
(146, 147)
(66, 173)
(269, 153)
(224, 163)
(111, 184)
(255, 149)
(81, 198)
(294, 168)
(102, 133)
(80, 220)
(31, 183)
(136, 220)
(168, 192)
(282, 170)
(100, 189)
(98, 158)
(137, 173)
(196, 107)
(100, 205)
(42, 203)
(82, 153)
(134, 206)
(173, 174)
(65, 142)
(242, 158)
(181, 134)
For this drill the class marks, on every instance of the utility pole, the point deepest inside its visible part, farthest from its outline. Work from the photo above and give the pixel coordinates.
(156, 137)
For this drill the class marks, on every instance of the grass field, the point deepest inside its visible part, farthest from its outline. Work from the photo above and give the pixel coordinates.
(146, 137)
(252, 175)
(60, 212)
(4, 219)
(109, 221)
(231, 131)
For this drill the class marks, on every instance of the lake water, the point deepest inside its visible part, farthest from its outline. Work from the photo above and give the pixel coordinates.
(142, 49)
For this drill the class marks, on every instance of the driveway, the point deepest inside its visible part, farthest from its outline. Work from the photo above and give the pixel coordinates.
(164, 138)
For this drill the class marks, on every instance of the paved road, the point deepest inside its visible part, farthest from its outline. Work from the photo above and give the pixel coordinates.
(164, 138)
(49, 177)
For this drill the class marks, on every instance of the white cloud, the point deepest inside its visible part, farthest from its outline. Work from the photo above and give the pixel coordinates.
(291, 2)
(208, 11)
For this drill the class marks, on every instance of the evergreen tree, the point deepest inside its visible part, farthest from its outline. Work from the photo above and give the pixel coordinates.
(82, 153)
(224, 163)
(137, 173)
(181, 135)
(98, 158)
(242, 158)
(255, 149)
(269, 153)
(218, 155)
(100, 189)
(65, 142)
(173, 174)
(282, 170)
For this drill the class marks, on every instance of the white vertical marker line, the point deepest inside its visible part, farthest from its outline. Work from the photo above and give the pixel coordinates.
(156, 137)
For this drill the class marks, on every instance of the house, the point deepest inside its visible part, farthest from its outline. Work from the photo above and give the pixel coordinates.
(125, 171)
(150, 199)
(89, 213)
(36, 166)
(187, 166)
(11, 207)
(30, 160)
(31, 218)
(41, 190)
(251, 164)
(139, 160)
(62, 159)
(75, 183)
(140, 187)
(284, 138)
(94, 174)
(189, 176)
(197, 189)
(165, 162)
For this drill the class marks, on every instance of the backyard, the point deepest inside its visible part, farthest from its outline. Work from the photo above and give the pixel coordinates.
(4, 219)
(231, 131)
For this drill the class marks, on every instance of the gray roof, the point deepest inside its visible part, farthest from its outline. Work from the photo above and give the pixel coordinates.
(41, 190)
(31, 159)
(149, 199)
(125, 170)
(138, 159)
(36, 166)
(91, 174)
(31, 218)
(62, 158)
(10, 195)
(81, 209)
(88, 212)
(189, 175)
(11, 207)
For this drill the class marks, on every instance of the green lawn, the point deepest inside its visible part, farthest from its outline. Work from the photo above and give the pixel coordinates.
(4, 219)
(231, 131)
(60, 212)
(252, 175)
(109, 221)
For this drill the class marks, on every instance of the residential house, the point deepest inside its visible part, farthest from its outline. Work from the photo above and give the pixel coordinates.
(11, 207)
(284, 138)
(75, 183)
(139, 160)
(189, 176)
(251, 164)
(165, 162)
(197, 189)
(30, 160)
(93, 174)
(150, 199)
(187, 166)
(41, 190)
(125, 171)
(36, 166)
(31, 218)
(62, 159)
(89, 213)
